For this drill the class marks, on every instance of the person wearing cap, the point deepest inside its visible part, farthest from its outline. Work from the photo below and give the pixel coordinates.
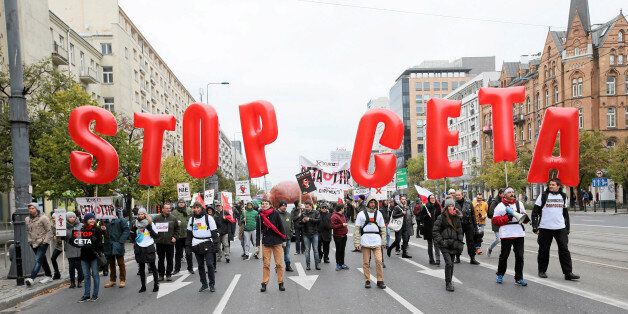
(168, 227)
(202, 233)
(288, 228)
(512, 234)
(73, 251)
(368, 237)
(273, 239)
(117, 233)
(448, 235)
(180, 213)
(469, 225)
(39, 232)
(491, 211)
(324, 231)
(309, 219)
(90, 241)
(144, 247)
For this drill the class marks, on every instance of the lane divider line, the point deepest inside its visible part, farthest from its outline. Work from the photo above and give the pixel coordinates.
(225, 297)
(396, 296)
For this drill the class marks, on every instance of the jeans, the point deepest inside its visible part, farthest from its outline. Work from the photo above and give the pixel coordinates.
(181, 248)
(387, 237)
(495, 242)
(341, 243)
(205, 259)
(249, 241)
(164, 252)
(286, 253)
(75, 268)
(90, 271)
(545, 242)
(53, 260)
(311, 242)
(151, 265)
(517, 245)
(41, 261)
(433, 250)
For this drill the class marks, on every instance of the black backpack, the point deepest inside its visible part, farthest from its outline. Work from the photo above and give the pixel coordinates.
(367, 221)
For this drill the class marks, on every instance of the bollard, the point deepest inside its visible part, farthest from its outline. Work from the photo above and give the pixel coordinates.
(18, 263)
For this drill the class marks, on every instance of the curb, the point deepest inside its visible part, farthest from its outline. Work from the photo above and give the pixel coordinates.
(37, 291)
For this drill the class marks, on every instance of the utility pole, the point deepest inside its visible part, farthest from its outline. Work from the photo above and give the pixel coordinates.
(18, 118)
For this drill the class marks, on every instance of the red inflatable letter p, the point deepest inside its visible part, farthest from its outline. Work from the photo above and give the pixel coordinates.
(257, 134)
(107, 157)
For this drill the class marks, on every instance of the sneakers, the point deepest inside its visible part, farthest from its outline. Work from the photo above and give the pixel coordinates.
(281, 287)
(345, 267)
(191, 271)
(29, 282)
(432, 262)
(572, 276)
(449, 287)
(212, 289)
(521, 282)
(175, 272)
(367, 284)
(110, 284)
(474, 262)
(203, 288)
(263, 289)
(94, 299)
(289, 269)
(155, 288)
(437, 263)
(326, 261)
(542, 274)
(381, 285)
(338, 267)
(499, 279)
(168, 278)
(317, 267)
(45, 280)
(79, 284)
(122, 284)
(72, 285)
(457, 260)
(161, 278)
(307, 267)
(405, 255)
(83, 299)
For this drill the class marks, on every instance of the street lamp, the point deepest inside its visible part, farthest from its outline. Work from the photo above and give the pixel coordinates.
(213, 178)
(207, 88)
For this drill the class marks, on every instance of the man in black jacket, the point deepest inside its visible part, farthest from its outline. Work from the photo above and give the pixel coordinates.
(324, 232)
(309, 219)
(469, 225)
(168, 227)
(273, 236)
(224, 232)
(550, 220)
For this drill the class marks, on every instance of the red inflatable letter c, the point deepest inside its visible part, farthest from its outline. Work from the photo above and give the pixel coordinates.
(386, 163)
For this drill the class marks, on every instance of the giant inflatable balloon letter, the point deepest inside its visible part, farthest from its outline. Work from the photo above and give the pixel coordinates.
(565, 121)
(200, 140)
(154, 127)
(438, 138)
(257, 135)
(106, 156)
(385, 163)
(501, 101)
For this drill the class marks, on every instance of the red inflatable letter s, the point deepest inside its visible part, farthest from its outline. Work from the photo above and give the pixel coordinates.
(257, 135)
(439, 138)
(385, 163)
(107, 157)
(564, 120)
(154, 127)
(200, 140)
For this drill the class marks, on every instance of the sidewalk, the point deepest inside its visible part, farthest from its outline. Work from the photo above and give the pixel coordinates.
(11, 294)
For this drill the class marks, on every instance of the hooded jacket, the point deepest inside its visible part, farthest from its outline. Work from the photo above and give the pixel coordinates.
(324, 226)
(39, 230)
(357, 235)
(466, 209)
(182, 216)
(448, 237)
(428, 217)
(117, 234)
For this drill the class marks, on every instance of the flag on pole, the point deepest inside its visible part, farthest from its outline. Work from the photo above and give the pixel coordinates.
(423, 193)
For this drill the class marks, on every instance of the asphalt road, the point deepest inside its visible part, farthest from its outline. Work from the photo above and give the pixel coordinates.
(599, 246)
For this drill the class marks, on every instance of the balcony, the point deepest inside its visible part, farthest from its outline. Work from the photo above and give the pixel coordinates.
(487, 129)
(518, 118)
(142, 67)
(88, 76)
(154, 96)
(59, 55)
(144, 88)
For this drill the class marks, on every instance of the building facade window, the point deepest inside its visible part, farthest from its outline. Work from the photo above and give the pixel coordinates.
(528, 105)
(530, 131)
(444, 86)
(107, 75)
(611, 59)
(555, 94)
(620, 59)
(611, 117)
(109, 105)
(610, 85)
(71, 52)
(580, 118)
(82, 60)
(418, 86)
(547, 98)
(620, 37)
(538, 102)
(437, 86)
(420, 124)
(426, 86)
(126, 53)
(105, 48)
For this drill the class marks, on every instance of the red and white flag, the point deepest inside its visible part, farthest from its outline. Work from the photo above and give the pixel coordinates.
(423, 193)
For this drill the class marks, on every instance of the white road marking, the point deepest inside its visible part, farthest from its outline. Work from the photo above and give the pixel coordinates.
(593, 220)
(438, 273)
(396, 296)
(601, 226)
(585, 261)
(589, 295)
(225, 297)
(303, 279)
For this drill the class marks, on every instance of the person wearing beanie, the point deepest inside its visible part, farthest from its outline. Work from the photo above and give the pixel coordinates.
(181, 214)
(202, 232)
(511, 234)
(144, 247)
(73, 251)
(39, 233)
(550, 220)
(448, 235)
(90, 242)
(369, 237)
(117, 233)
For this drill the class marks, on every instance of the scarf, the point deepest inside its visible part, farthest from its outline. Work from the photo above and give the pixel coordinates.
(507, 202)
(141, 224)
(264, 214)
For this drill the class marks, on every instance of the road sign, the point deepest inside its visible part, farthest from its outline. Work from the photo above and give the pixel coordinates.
(599, 182)
(402, 178)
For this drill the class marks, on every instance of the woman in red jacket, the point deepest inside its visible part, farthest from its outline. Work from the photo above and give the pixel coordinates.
(339, 228)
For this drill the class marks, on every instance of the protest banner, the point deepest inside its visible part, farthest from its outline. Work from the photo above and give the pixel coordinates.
(183, 191)
(306, 183)
(60, 221)
(102, 207)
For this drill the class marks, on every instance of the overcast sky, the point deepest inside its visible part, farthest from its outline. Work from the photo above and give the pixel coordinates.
(319, 64)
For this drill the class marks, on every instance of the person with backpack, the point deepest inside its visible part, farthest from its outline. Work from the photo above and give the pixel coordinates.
(144, 247)
(512, 234)
(116, 235)
(550, 220)
(491, 210)
(448, 235)
(368, 237)
(202, 233)
(427, 217)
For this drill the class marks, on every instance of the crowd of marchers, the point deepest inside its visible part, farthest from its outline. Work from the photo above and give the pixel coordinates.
(161, 241)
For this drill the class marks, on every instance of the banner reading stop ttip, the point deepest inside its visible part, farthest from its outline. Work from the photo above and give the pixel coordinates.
(259, 129)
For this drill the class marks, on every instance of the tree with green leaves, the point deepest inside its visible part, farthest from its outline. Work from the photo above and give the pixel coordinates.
(416, 174)
(172, 172)
(618, 166)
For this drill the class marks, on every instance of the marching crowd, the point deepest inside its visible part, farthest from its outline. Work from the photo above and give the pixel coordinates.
(161, 241)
